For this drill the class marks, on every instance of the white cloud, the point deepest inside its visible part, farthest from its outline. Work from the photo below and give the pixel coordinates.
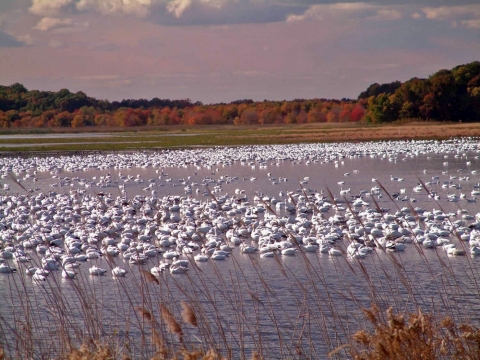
(417, 15)
(451, 12)
(109, 7)
(348, 11)
(48, 23)
(467, 15)
(143, 8)
(25, 39)
(177, 7)
(387, 14)
(199, 11)
(48, 7)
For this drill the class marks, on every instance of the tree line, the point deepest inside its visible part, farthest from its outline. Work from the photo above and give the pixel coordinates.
(447, 95)
(20, 107)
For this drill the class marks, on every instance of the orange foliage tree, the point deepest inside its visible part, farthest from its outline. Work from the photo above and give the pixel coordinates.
(22, 108)
(358, 113)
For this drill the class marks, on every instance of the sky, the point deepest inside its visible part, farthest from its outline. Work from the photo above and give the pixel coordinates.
(224, 50)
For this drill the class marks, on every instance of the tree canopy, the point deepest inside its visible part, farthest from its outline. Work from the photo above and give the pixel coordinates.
(20, 107)
(447, 95)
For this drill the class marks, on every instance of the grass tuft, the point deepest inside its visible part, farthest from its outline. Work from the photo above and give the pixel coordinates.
(413, 336)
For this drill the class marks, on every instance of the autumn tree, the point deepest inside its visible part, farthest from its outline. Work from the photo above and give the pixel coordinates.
(358, 112)
(249, 116)
(345, 115)
(315, 115)
(78, 120)
(62, 119)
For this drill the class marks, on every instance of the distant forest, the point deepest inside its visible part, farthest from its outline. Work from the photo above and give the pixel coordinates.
(448, 95)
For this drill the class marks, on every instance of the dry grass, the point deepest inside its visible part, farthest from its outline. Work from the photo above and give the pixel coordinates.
(172, 324)
(155, 138)
(188, 315)
(414, 336)
(104, 352)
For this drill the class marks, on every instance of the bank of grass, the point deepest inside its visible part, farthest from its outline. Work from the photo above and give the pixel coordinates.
(148, 138)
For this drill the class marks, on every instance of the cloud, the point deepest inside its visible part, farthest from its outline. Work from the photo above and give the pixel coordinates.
(387, 15)
(76, 27)
(467, 16)
(360, 10)
(172, 12)
(110, 7)
(48, 23)
(49, 7)
(451, 12)
(471, 24)
(177, 7)
(221, 12)
(8, 40)
(25, 39)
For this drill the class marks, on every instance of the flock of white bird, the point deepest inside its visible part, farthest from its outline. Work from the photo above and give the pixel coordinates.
(79, 220)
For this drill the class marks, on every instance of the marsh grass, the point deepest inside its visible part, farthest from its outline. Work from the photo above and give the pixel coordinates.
(414, 336)
(151, 138)
(364, 309)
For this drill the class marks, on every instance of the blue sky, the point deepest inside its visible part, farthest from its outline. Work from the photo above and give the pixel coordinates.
(224, 50)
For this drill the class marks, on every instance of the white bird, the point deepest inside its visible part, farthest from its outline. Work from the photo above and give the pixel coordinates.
(40, 275)
(289, 251)
(246, 249)
(334, 252)
(475, 250)
(267, 254)
(97, 271)
(218, 256)
(200, 257)
(118, 271)
(178, 269)
(6, 269)
(68, 274)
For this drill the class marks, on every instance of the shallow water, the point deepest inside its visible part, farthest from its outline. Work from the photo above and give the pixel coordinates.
(318, 290)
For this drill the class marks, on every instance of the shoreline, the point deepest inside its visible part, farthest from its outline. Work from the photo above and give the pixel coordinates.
(147, 138)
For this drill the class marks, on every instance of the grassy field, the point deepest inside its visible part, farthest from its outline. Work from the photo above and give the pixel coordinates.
(184, 136)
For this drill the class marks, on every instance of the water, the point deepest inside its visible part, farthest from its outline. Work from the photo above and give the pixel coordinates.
(310, 302)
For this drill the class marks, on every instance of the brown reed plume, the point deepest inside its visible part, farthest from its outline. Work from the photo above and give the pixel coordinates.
(147, 315)
(150, 277)
(415, 336)
(188, 315)
(172, 324)
(93, 352)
